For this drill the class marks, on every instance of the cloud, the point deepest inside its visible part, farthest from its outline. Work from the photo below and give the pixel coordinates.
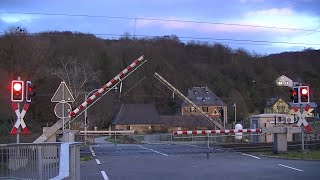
(282, 18)
(193, 26)
(17, 18)
(248, 1)
(272, 12)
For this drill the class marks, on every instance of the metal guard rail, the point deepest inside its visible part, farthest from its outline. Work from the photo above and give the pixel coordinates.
(40, 161)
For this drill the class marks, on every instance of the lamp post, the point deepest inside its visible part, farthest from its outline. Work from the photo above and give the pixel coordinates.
(86, 96)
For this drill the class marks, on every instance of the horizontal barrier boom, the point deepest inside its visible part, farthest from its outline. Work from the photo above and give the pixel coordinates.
(195, 132)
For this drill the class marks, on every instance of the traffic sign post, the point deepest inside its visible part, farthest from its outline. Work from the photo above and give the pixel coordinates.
(302, 120)
(62, 96)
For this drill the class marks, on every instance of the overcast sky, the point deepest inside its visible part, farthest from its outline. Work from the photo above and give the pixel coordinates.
(236, 23)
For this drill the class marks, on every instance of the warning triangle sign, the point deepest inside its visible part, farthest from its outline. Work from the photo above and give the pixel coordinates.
(62, 94)
(215, 113)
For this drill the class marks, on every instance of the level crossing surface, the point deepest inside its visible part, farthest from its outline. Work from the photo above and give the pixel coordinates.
(187, 161)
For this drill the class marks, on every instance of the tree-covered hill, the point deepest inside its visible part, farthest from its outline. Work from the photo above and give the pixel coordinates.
(87, 62)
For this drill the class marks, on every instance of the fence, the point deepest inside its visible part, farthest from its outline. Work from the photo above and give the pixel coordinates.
(40, 161)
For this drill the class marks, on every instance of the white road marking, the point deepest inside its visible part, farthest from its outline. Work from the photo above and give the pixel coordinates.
(219, 150)
(290, 167)
(153, 150)
(98, 162)
(250, 155)
(93, 154)
(105, 177)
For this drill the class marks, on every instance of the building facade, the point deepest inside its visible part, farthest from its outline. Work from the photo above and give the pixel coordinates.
(208, 102)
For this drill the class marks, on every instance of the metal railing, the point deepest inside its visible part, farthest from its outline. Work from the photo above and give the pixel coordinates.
(40, 161)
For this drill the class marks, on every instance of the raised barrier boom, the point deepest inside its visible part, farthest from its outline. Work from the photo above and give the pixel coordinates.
(58, 125)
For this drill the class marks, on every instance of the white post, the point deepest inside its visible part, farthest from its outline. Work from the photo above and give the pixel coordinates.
(85, 121)
(63, 111)
(235, 113)
(18, 119)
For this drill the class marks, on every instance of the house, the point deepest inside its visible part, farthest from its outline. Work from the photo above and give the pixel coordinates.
(144, 118)
(140, 118)
(284, 81)
(277, 105)
(209, 103)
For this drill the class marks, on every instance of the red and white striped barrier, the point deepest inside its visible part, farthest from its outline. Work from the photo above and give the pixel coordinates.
(109, 84)
(194, 132)
(20, 116)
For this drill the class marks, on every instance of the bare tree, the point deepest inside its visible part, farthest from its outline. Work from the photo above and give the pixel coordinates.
(78, 75)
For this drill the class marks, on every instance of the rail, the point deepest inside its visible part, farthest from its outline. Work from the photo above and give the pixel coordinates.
(40, 161)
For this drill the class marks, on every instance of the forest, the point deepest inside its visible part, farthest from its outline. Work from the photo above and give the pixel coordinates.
(86, 62)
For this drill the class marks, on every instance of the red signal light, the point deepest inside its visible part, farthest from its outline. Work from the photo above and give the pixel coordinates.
(304, 91)
(17, 91)
(17, 86)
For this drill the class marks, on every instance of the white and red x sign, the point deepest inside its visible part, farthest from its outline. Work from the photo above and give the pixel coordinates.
(20, 116)
(302, 117)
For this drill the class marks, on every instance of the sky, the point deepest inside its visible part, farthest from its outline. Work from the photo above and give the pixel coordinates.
(259, 26)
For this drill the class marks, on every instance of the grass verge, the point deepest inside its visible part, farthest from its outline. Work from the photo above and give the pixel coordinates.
(85, 158)
(308, 155)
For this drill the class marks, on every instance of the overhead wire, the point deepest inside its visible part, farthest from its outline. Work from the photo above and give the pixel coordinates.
(156, 19)
(219, 40)
(205, 39)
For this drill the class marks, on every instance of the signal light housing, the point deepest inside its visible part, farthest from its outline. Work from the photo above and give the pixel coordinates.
(17, 91)
(304, 94)
(30, 91)
(295, 95)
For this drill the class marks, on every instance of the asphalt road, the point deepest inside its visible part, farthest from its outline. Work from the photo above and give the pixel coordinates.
(183, 161)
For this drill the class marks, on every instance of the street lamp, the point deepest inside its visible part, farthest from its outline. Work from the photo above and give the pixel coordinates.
(86, 96)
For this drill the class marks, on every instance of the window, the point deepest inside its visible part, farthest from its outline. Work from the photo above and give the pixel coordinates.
(192, 109)
(128, 128)
(205, 109)
(287, 82)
